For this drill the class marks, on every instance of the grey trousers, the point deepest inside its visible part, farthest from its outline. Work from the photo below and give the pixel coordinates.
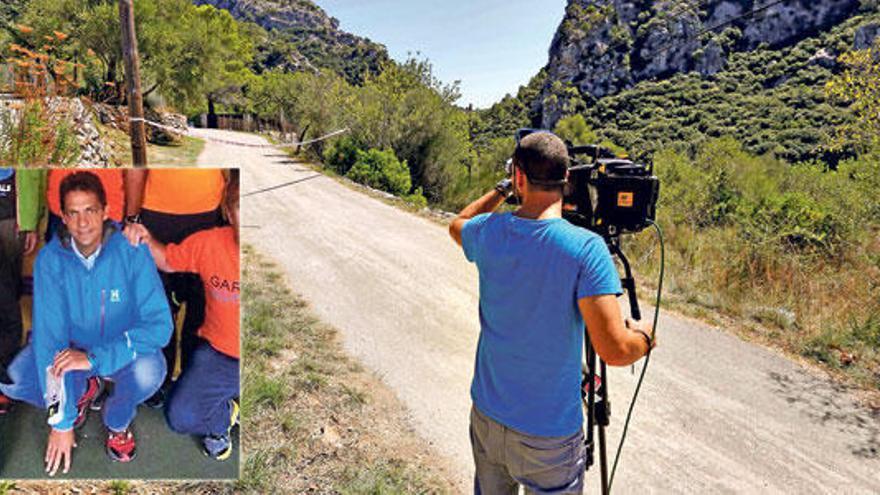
(11, 246)
(505, 459)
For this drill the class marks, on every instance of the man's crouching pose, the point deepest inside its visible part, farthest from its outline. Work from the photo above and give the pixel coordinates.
(100, 314)
(541, 279)
(202, 402)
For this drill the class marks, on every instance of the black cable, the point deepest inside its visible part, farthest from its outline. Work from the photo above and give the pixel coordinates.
(647, 356)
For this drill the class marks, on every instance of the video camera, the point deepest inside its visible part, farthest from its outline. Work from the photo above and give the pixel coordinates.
(605, 193)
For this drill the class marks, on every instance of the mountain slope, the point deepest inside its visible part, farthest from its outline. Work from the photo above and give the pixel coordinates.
(605, 46)
(301, 36)
(643, 78)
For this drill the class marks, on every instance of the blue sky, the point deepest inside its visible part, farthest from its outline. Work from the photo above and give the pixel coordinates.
(492, 46)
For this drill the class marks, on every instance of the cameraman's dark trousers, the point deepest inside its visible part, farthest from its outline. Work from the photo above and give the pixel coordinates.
(506, 458)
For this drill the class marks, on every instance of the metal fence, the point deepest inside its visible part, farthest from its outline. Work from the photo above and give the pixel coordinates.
(244, 122)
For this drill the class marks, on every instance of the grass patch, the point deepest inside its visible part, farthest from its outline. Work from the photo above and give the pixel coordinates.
(380, 479)
(183, 154)
(263, 390)
(257, 471)
(119, 487)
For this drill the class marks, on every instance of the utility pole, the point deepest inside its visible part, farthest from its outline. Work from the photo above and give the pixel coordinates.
(133, 85)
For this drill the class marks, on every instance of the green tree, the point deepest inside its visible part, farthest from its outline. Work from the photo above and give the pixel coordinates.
(407, 109)
(187, 52)
(574, 129)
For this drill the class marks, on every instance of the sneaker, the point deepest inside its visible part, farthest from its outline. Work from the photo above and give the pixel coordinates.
(121, 446)
(234, 414)
(219, 447)
(94, 390)
(5, 404)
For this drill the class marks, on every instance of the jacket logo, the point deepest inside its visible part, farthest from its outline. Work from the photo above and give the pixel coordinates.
(114, 295)
(5, 188)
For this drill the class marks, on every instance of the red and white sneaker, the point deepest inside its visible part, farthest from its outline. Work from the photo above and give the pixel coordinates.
(5, 404)
(94, 389)
(121, 445)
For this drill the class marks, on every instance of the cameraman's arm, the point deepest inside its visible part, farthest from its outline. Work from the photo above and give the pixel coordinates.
(487, 203)
(615, 344)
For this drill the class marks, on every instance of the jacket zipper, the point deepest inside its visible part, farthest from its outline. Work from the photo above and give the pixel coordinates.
(103, 294)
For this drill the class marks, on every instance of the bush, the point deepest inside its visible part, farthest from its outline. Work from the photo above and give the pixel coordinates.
(380, 169)
(416, 199)
(341, 155)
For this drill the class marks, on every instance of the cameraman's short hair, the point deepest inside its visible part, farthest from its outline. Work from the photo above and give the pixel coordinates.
(82, 181)
(543, 157)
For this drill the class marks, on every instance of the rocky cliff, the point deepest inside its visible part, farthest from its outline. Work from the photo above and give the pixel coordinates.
(605, 46)
(301, 36)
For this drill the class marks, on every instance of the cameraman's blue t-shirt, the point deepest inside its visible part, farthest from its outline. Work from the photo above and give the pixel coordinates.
(532, 273)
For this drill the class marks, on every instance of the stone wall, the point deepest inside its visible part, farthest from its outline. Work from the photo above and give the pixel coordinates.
(93, 149)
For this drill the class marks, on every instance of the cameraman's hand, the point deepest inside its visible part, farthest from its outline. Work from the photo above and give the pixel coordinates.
(505, 187)
(641, 326)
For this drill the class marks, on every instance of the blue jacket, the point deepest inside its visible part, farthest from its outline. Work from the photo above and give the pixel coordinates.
(114, 312)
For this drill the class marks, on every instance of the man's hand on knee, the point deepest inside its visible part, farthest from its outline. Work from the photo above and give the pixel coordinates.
(70, 360)
(59, 450)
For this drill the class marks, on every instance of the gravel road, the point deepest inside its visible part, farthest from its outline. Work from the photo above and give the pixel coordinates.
(716, 414)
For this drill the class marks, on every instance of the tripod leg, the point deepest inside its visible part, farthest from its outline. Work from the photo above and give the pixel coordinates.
(590, 384)
(603, 457)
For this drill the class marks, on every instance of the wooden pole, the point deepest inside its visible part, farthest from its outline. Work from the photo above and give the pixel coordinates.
(133, 85)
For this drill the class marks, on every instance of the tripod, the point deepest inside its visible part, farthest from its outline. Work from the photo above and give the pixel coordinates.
(594, 388)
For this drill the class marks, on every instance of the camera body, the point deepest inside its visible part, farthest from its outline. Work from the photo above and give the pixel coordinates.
(607, 194)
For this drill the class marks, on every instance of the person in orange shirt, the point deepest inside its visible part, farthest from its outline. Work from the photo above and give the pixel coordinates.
(174, 204)
(202, 402)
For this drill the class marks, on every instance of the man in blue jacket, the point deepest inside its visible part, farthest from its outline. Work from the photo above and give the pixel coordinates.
(99, 314)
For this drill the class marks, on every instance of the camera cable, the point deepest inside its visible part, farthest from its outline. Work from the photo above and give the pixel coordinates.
(647, 356)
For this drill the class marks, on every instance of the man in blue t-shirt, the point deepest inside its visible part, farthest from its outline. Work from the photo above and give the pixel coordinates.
(541, 280)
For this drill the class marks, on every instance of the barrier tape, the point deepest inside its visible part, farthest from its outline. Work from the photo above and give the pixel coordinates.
(239, 143)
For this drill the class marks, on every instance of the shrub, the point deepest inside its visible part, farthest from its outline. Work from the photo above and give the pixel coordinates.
(341, 155)
(380, 169)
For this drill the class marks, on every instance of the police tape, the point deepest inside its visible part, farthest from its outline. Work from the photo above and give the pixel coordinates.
(175, 130)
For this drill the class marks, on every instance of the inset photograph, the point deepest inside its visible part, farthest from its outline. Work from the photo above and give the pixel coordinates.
(119, 324)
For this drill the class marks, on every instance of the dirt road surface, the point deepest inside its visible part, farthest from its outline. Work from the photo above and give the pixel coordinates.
(716, 415)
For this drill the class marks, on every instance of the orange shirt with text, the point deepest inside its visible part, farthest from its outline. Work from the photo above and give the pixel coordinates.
(213, 254)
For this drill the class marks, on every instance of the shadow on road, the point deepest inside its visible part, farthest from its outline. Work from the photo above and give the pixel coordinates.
(830, 404)
(279, 186)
